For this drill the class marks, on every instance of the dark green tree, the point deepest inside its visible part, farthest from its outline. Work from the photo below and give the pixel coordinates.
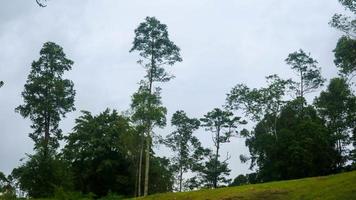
(213, 172)
(42, 174)
(1, 83)
(337, 107)
(345, 57)
(183, 144)
(306, 69)
(3, 182)
(223, 125)
(304, 147)
(47, 96)
(98, 154)
(240, 180)
(162, 175)
(156, 51)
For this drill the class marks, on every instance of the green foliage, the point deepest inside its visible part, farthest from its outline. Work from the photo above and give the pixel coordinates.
(3, 182)
(223, 125)
(61, 194)
(345, 56)
(112, 196)
(1, 83)
(183, 144)
(337, 107)
(156, 49)
(239, 180)
(47, 96)
(98, 154)
(256, 103)
(302, 145)
(213, 172)
(306, 69)
(147, 107)
(42, 174)
(346, 24)
(161, 175)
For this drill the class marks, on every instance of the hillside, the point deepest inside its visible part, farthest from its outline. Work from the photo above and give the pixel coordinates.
(338, 187)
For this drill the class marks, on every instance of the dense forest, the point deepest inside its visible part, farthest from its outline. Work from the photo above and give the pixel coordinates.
(112, 153)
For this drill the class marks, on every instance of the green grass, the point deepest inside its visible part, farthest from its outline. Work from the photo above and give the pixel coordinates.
(336, 187)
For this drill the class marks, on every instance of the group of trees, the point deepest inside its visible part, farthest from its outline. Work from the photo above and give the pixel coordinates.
(113, 152)
(294, 139)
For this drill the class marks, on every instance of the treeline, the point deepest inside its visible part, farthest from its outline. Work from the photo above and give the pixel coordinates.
(112, 153)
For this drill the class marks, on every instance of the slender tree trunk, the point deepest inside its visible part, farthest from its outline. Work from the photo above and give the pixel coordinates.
(136, 180)
(139, 185)
(180, 164)
(275, 126)
(216, 158)
(301, 84)
(46, 135)
(147, 168)
(180, 178)
(148, 145)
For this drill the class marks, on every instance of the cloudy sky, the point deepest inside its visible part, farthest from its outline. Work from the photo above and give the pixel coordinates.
(223, 43)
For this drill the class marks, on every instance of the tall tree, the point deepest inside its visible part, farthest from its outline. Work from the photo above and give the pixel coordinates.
(306, 68)
(146, 107)
(223, 125)
(48, 96)
(156, 51)
(337, 107)
(1, 83)
(183, 144)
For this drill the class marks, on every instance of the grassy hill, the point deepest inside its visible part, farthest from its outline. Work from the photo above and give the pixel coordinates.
(336, 187)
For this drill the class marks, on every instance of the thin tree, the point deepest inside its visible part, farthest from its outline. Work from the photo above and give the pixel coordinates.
(48, 96)
(223, 125)
(141, 114)
(308, 72)
(156, 51)
(183, 143)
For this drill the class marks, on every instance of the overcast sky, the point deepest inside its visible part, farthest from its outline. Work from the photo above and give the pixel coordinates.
(222, 43)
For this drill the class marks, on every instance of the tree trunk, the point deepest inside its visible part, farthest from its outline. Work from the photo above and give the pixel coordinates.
(147, 167)
(216, 158)
(139, 185)
(46, 135)
(180, 178)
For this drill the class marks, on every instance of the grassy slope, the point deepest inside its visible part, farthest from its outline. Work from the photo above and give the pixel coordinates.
(338, 187)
